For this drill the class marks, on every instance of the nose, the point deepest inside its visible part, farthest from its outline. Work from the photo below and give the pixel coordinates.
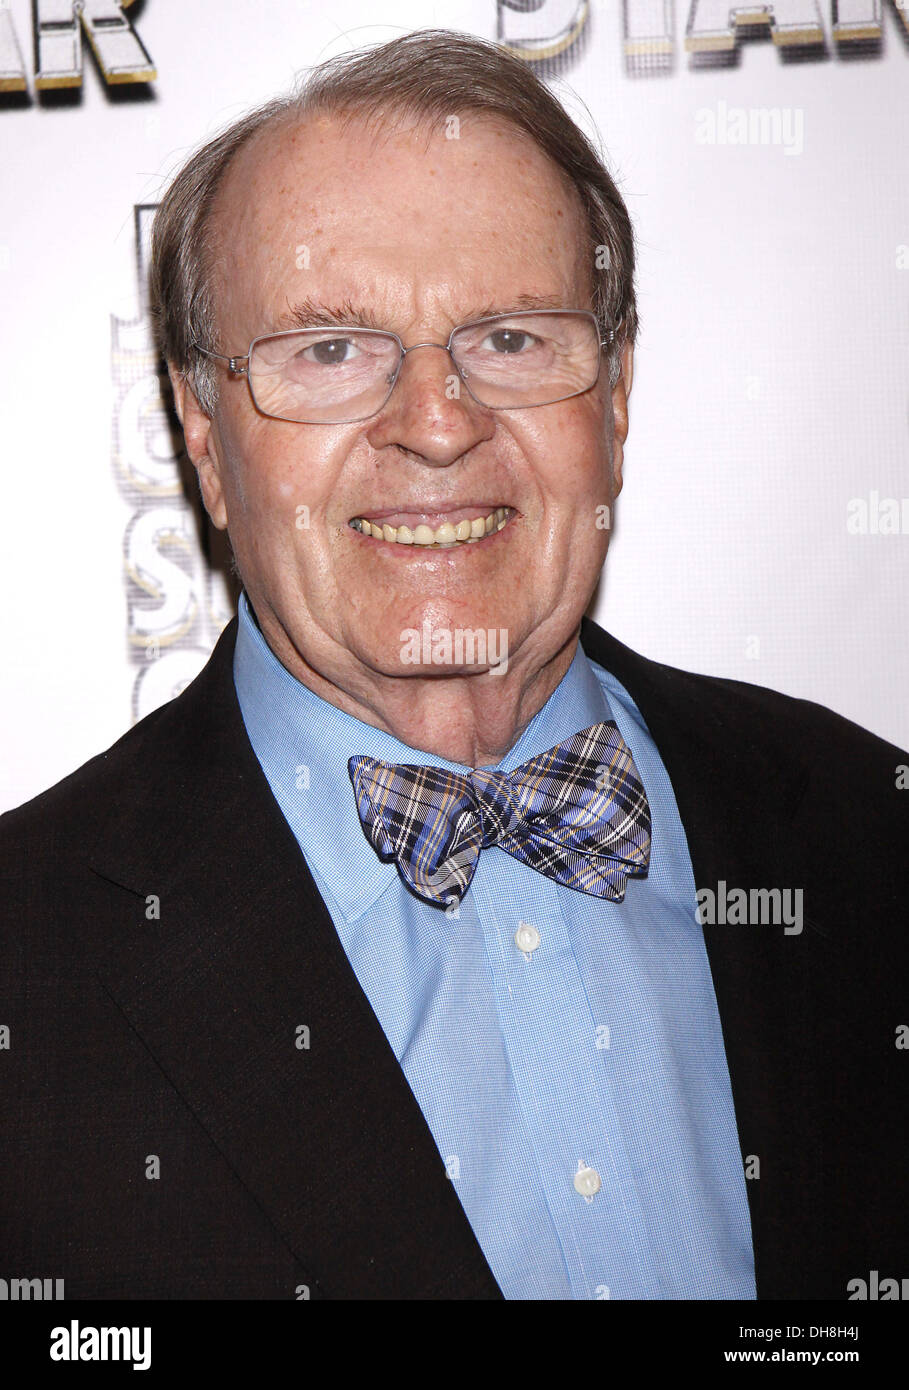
(430, 413)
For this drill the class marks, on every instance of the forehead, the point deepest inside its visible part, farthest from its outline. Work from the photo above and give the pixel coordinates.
(441, 219)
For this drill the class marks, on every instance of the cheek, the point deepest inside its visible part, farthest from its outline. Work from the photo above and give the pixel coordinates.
(571, 456)
(276, 480)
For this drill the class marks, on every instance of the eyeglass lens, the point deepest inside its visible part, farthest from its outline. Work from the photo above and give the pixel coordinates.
(334, 375)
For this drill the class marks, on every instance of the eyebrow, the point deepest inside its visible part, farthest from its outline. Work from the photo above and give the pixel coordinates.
(312, 313)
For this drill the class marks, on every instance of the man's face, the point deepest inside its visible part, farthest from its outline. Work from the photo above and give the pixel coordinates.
(410, 231)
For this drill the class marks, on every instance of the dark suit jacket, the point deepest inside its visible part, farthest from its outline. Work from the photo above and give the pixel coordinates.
(136, 1036)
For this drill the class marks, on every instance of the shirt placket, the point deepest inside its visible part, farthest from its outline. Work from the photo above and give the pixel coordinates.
(562, 1081)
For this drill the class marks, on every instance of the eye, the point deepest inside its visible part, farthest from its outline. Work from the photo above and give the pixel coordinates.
(331, 352)
(508, 340)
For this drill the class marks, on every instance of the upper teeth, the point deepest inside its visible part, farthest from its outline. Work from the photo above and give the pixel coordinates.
(448, 533)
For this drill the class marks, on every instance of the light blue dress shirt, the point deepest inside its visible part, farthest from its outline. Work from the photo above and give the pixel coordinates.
(600, 1048)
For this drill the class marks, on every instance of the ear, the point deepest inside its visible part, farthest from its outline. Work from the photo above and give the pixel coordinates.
(201, 446)
(620, 393)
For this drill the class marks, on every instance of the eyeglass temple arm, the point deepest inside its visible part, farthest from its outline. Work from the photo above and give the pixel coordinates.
(221, 357)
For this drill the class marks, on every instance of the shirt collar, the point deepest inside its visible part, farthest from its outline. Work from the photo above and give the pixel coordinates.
(303, 744)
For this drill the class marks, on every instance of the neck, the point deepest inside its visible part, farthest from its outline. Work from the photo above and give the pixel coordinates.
(470, 719)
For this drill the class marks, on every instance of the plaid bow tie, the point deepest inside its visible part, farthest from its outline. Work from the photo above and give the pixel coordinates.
(578, 814)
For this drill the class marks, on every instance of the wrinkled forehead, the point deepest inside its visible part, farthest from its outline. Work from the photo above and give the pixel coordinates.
(469, 216)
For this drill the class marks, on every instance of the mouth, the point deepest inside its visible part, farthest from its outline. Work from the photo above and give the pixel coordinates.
(435, 530)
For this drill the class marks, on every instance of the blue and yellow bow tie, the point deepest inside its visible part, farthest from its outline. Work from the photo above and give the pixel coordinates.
(577, 813)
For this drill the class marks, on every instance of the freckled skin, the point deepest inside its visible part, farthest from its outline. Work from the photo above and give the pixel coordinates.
(423, 254)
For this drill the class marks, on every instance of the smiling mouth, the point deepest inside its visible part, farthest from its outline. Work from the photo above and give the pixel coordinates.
(446, 534)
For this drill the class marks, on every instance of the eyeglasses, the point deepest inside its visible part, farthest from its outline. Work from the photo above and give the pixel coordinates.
(338, 375)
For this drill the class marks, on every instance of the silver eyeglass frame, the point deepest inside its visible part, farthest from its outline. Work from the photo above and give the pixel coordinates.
(233, 362)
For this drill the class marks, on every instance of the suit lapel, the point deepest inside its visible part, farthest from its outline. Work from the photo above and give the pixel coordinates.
(321, 1126)
(737, 791)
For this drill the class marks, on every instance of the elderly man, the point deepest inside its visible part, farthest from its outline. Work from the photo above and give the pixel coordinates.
(432, 944)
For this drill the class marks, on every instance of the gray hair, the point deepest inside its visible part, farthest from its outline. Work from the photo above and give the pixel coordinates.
(428, 74)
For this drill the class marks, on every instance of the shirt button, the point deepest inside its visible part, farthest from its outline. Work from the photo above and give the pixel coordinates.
(586, 1181)
(527, 938)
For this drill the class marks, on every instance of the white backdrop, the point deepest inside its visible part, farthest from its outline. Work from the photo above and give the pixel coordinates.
(758, 535)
